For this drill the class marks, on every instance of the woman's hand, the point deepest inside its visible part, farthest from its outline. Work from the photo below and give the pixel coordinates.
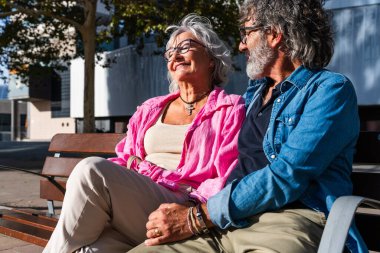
(167, 224)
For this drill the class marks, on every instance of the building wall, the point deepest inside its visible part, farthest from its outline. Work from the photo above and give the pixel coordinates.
(133, 79)
(357, 48)
(42, 126)
(6, 119)
(60, 97)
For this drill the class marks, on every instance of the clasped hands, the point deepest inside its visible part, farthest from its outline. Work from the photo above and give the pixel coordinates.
(167, 224)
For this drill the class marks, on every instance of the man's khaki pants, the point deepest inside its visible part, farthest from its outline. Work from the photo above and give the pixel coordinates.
(105, 208)
(283, 231)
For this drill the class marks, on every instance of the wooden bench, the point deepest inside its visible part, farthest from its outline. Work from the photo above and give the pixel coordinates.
(36, 228)
(66, 151)
(366, 182)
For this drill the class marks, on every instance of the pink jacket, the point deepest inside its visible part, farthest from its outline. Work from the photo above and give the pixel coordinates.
(210, 148)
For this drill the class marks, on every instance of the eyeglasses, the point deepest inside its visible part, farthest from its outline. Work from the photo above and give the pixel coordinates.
(244, 34)
(182, 48)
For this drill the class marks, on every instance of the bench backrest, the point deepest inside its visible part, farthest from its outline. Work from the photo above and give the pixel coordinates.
(67, 150)
(366, 182)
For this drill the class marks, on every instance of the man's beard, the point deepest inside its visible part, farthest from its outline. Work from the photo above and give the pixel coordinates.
(259, 58)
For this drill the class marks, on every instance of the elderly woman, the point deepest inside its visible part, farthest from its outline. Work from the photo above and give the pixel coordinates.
(179, 148)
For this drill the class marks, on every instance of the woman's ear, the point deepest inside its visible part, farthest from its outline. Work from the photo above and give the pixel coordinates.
(212, 64)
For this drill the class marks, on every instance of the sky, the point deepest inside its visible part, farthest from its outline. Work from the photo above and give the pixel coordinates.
(3, 85)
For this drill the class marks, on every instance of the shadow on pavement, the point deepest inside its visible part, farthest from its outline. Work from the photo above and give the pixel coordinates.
(26, 155)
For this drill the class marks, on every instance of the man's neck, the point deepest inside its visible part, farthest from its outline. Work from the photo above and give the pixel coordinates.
(282, 68)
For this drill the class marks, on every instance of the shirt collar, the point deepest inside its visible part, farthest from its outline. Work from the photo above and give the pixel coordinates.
(298, 78)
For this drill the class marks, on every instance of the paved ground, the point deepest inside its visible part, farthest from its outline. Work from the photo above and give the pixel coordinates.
(19, 189)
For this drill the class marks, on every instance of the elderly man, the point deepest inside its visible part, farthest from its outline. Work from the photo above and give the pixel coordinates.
(295, 147)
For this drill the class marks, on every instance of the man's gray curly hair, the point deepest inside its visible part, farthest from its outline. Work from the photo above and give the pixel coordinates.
(305, 26)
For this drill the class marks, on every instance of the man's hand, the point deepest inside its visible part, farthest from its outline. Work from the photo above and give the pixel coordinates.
(167, 224)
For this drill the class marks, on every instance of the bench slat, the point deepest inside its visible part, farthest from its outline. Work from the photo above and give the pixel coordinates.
(29, 219)
(24, 232)
(366, 184)
(367, 148)
(31, 212)
(59, 166)
(369, 227)
(50, 191)
(85, 143)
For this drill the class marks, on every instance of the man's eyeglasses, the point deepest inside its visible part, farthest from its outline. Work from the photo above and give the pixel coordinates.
(245, 31)
(182, 48)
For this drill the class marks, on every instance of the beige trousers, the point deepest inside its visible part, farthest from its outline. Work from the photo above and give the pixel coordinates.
(105, 208)
(283, 231)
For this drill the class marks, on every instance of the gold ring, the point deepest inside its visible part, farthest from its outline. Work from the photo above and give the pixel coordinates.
(157, 232)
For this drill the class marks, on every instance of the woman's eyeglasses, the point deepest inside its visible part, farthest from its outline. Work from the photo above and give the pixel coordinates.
(182, 48)
(245, 31)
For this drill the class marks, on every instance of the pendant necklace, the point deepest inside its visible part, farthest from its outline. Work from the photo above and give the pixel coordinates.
(190, 106)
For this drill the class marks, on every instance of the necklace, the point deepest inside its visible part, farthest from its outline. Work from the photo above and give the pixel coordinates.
(190, 106)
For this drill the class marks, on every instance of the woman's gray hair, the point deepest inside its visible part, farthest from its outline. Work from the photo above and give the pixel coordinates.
(305, 26)
(201, 28)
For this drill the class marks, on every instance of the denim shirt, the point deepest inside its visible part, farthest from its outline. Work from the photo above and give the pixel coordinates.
(309, 144)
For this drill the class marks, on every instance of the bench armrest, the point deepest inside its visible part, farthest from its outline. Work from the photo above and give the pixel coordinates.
(339, 221)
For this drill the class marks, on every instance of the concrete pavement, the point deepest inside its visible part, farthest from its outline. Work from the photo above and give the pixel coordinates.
(19, 189)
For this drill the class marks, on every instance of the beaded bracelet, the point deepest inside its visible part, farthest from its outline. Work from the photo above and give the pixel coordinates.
(131, 159)
(193, 223)
(189, 214)
(204, 229)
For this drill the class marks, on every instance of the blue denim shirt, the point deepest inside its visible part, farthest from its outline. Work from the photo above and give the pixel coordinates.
(309, 143)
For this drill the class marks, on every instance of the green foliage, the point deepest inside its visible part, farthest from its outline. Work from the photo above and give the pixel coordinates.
(22, 42)
(32, 36)
(138, 18)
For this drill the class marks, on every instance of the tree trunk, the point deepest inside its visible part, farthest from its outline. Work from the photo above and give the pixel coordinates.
(89, 43)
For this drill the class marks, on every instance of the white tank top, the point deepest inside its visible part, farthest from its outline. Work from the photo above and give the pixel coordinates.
(163, 144)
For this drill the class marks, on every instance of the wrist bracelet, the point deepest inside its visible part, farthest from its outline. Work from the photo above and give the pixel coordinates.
(131, 159)
(193, 223)
(189, 213)
(204, 229)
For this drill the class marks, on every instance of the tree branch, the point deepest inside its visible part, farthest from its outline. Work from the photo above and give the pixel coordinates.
(35, 13)
(7, 14)
(238, 4)
(38, 13)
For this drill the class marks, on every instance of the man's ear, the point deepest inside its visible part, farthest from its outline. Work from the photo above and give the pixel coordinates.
(274, 38)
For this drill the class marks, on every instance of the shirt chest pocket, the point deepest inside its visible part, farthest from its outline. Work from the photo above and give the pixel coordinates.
(284, 125)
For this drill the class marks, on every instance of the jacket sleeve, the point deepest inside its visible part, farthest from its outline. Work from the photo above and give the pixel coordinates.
(128, 145)
(227, 154)
(327, 125)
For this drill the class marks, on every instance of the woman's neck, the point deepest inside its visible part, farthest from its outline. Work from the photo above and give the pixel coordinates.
(190, 92)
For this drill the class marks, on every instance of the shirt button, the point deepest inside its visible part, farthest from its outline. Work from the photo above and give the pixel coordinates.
(278, 100)
(273, 156)
(179, 170)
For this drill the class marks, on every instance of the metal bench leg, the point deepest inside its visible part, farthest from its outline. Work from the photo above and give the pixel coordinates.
(50, 205)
